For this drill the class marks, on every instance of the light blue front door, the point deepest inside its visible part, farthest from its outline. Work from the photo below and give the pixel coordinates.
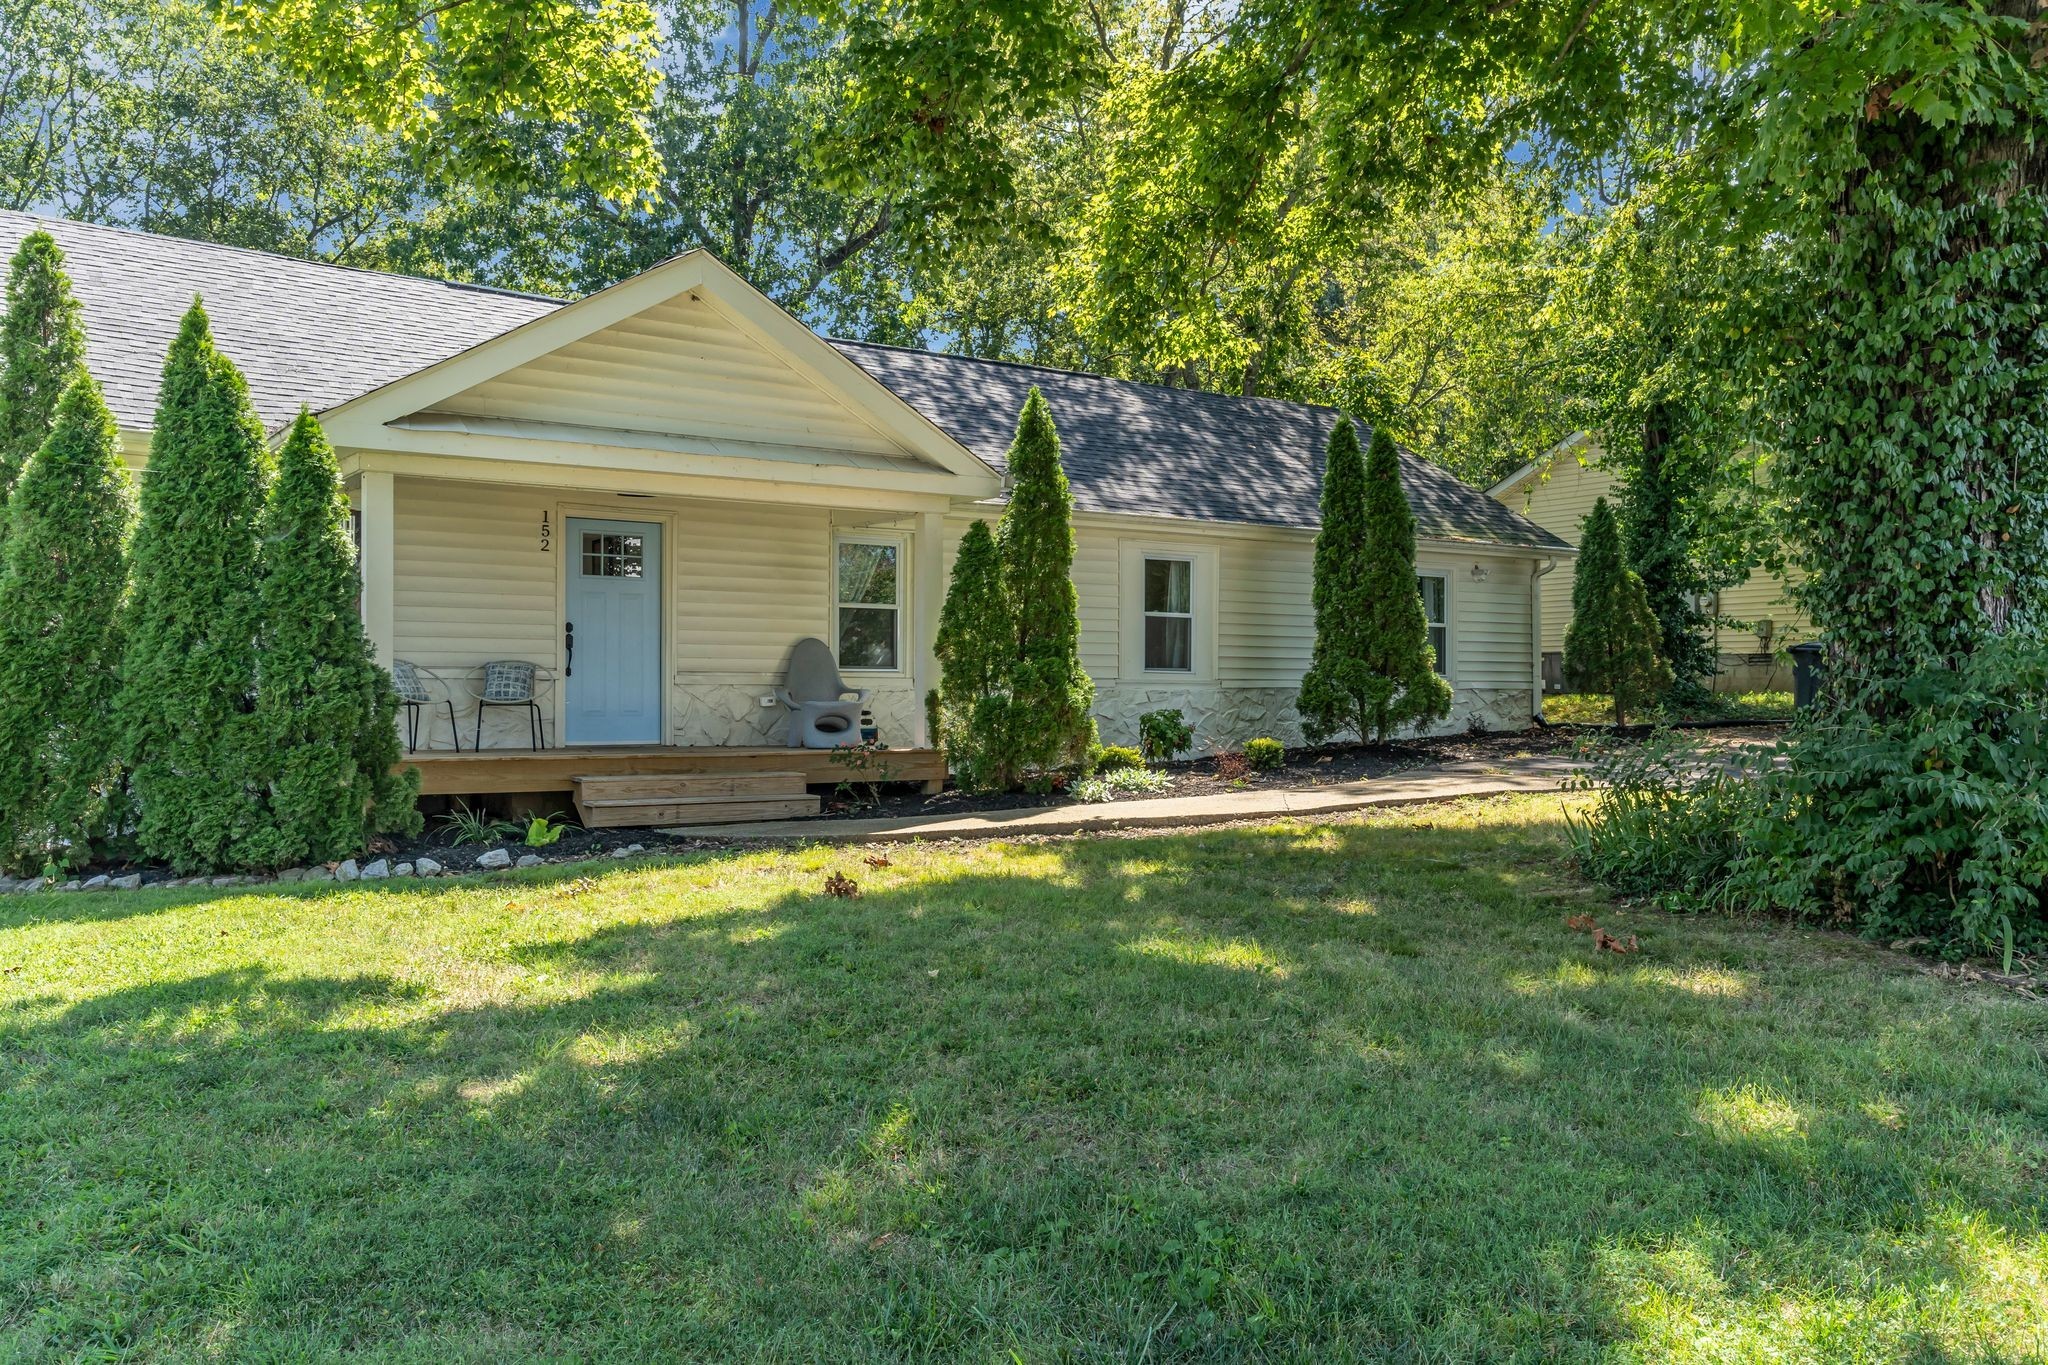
(612, 637)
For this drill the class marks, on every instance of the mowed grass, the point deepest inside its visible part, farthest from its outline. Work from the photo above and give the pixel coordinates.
(1308, 1092)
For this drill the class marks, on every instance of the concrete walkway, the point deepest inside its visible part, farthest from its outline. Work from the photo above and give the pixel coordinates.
(1418, 786)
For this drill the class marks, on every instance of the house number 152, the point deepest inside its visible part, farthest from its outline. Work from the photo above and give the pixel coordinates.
(547, 534)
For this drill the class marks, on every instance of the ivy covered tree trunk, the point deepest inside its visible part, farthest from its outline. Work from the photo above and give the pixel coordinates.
(187, 706)
(975, 643)
(1373, 671)
(61, 589)
(1918, 421)
(1611, 644)
(1661, 525)
(326, 712)
(42, 349)
(1051, 695)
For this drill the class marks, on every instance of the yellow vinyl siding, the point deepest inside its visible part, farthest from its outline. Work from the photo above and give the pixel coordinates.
(1560, 504)
(473, 582)
(681, 368)
(749, 580)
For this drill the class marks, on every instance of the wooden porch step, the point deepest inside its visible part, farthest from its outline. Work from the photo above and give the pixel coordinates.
(669, 786)
(693, 810)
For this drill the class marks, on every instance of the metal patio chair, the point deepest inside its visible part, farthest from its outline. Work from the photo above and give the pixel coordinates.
(415, 688)
(511, 682)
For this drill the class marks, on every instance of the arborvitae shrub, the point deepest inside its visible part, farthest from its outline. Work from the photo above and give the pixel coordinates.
(1611, 644)
(62, 581)
(187, 703)
(976, 641)
(42, 349)
(1372, 671)
(325, 710)
(1051, 695)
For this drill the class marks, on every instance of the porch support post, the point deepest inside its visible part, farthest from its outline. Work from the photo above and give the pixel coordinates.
(379, 504)
(928, 594)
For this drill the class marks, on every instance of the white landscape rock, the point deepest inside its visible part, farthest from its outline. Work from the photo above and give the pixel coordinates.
(131, 882)
(402, 870)
(427, 867)
(96, 883)
(628, 851)
(292, 874)
(319, 874)
(348, 871)
(32, 884)
(529, 860)
(496, 857)
(377, 871)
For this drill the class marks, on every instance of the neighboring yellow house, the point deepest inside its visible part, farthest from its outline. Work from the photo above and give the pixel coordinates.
(1756, 617)
(652, 493)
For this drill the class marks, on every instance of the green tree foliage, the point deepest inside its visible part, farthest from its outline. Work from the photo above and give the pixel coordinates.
(1611, 644)
(189, 678)
(62, 584)
(976, 642)
(1051, 695)
(325, 711)
(462, 82)
(1373, 671)
(42, 349)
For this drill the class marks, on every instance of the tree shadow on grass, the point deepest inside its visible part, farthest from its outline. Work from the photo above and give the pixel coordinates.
(1336, 1091)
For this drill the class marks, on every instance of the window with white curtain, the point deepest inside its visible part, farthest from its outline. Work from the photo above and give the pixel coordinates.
(1169, 605)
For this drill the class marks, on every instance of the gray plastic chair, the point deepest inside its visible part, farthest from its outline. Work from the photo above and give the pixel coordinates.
(820, 717)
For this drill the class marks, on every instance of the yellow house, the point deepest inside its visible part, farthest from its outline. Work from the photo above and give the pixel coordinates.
(652, 493)
(1755, 619)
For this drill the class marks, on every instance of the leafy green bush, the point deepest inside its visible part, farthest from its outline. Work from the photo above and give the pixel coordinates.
(1111, 758)
(1265, 754)
(1669, 822)
(1122, 781)
(1929, 818)
(1163, 735)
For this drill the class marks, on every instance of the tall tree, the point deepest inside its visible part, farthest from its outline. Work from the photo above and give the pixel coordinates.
(1373, 671)
(189, 677)
(1611, 644)
(1051, 694)
(42, 350)
(325, 712)
(62, 584)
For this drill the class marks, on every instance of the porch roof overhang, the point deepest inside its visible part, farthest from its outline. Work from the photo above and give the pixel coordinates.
(433, 422)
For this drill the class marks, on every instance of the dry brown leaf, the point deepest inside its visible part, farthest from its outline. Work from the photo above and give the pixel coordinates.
(842, 886)
(878, 860)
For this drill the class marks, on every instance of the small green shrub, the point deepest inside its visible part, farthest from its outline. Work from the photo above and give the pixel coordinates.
(1121, 782)
(1112, 758)
(1164, 735)
(1265, 754)
(543, 830)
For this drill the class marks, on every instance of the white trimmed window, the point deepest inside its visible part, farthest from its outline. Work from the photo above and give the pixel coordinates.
(867, 603)
(1169, 606)
(1436, 608)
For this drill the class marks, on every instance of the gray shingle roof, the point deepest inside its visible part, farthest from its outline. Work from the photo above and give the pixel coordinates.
(306, 332)
(301, 331)
(1147, 450)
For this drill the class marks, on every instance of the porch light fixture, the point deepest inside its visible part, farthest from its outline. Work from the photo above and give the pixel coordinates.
(1480, 573)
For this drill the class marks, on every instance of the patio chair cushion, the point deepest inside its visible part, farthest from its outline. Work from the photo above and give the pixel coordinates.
(508, 680)
(406, 680)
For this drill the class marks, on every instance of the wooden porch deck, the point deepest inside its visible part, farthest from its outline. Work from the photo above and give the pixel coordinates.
(501, 771)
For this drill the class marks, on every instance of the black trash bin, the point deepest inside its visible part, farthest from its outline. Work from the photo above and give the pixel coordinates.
(1807, 672)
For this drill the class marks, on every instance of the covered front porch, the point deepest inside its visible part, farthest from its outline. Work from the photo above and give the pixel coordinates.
(647, 499)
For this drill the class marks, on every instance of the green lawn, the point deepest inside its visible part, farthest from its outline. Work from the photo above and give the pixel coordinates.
(1309, 1092)
(1593, 708)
